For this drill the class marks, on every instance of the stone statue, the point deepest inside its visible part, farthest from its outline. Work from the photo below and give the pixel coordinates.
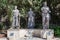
(45, 16)
(16, 20)
(31, 20)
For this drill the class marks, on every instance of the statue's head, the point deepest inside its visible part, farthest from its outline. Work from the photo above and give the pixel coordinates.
(45, 3)
(15, 7)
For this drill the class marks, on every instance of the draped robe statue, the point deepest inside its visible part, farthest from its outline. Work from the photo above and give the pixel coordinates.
(31, 21)
(45, 16)
(16, 20)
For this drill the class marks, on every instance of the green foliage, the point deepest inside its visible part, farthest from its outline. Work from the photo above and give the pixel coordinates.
(57, 32)
(56, 29)
(1, 26)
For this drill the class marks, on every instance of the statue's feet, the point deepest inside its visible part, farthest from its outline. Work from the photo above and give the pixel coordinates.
(11, 28)
(16, 27)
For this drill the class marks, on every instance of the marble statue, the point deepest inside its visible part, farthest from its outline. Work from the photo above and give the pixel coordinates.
(45, 15)
(31, 21)
(16, 14)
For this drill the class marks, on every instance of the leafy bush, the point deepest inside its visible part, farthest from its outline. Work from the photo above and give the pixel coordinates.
(56, 30)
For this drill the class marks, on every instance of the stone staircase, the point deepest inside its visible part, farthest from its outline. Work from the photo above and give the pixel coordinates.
(37, 34)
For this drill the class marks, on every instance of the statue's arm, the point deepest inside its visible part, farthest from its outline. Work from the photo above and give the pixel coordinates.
(19, 13)
(19, 17)
(49, 10)
(33, 14)
(41, 9)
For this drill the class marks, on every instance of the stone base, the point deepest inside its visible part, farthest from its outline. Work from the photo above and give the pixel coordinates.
(47, 33)
(34, 38)
(13, 34)
(23, 33)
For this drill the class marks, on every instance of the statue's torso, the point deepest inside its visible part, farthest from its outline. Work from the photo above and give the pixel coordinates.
(45, 10)
(30, 14)
(15, 13)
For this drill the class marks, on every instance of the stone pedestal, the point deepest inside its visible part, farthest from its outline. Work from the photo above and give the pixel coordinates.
(3, 39)
(16, 34)
(34, 38)
(21, 33)
(50, 35)
(13, 34)
(47, 33)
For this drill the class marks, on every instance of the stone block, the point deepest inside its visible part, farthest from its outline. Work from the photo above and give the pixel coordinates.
(47, 33)
(23, 33)
(50, 35)
(13, 34)
(36, 33)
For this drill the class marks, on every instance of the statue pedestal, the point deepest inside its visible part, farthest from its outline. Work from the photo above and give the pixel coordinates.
(13, 34)
(50, 35)
(23, 34)
(47, 33)
(16, 34)
(34, 38)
